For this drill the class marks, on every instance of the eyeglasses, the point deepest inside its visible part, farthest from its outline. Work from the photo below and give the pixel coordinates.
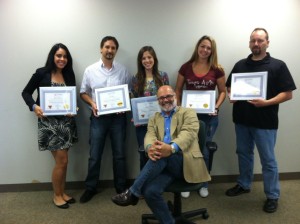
(168, 97)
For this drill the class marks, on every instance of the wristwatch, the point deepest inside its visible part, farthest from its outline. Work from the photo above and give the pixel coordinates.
(173, 149)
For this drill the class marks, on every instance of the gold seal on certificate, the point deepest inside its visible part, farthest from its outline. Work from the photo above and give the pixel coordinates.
(248, 86)
(112, 99)
(202, 101)
(143, 108)
(58, 100)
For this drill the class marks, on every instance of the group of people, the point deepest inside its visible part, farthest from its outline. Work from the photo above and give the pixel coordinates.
(168, 145)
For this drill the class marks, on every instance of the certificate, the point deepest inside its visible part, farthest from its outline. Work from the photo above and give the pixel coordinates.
(248, 86)
(143, 108)
(112, 99)
(202, 101)
(58, 100)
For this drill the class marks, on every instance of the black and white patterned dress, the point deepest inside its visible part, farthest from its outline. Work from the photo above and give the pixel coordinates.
(56, 132)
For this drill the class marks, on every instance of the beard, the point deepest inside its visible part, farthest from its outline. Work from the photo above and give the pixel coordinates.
(256, 51)
(167, 107)
(109, 56)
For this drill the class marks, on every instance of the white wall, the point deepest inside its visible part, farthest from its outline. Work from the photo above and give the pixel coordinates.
(29, 28)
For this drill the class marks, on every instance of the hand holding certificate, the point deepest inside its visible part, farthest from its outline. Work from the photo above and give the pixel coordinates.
(202, 101)
(112, 99)
(248, 86)
(58, 100)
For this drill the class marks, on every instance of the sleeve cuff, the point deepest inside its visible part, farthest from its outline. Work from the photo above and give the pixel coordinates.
(177, 148)
(147, 147)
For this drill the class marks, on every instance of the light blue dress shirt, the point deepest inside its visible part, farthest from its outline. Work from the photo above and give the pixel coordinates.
(167, 134)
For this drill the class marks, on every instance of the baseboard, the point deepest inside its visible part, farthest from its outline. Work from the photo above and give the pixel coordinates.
(109, 183)
(257, 177)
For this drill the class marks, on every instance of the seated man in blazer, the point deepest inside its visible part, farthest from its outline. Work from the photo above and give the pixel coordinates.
(171, 144)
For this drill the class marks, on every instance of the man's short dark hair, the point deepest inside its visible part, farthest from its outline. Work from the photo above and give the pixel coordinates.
(263, 29)
(109, 38)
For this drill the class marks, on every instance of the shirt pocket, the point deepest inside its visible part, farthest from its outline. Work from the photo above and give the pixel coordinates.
(197, 154)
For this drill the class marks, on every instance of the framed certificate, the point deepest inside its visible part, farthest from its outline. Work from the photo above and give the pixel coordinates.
(202, 101)
(143, 108)
(58, 100)
(112, 99)
(248, 86)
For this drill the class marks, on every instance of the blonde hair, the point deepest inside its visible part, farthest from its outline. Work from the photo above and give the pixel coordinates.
(213, 58)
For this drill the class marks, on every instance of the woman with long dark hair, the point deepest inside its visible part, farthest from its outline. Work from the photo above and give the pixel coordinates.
(146, 82)
(55, 133)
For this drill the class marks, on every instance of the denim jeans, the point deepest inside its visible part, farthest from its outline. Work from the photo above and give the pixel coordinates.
(211, 124)
(115, 125)
(153, 180)
(140, 135)
(264, 139)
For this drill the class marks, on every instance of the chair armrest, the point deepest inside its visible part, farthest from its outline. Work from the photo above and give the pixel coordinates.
(212, 146)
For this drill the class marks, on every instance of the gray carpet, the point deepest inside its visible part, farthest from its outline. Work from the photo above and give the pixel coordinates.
(37, 207)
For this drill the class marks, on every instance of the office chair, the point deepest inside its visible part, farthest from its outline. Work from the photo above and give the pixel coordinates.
(212, 148)
(179, 186)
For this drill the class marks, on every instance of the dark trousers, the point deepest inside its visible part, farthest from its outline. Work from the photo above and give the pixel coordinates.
(115, 126)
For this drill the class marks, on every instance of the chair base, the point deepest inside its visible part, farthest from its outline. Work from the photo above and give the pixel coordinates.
(180, 217)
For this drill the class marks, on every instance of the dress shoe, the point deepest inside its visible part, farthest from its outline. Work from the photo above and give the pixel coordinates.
(203, 192)
(236, 190)
(271, 205)
(63, 206)
(126, 198)
(71, 201)
(87, 195)
(185, 194)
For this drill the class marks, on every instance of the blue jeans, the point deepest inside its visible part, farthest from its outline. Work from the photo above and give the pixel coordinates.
(152, 182)
(264, 139)
(140, 135)
(115, 125)
(211, 123)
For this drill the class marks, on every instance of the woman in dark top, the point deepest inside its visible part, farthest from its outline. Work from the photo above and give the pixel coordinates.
(55, 133)
(202, 72)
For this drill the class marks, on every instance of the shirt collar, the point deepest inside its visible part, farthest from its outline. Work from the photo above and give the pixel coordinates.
(164, 114)
(103, 67)
(265, 60)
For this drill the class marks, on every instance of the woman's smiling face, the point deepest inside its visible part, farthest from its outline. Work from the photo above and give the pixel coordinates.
(147, 60)
(60, 58)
